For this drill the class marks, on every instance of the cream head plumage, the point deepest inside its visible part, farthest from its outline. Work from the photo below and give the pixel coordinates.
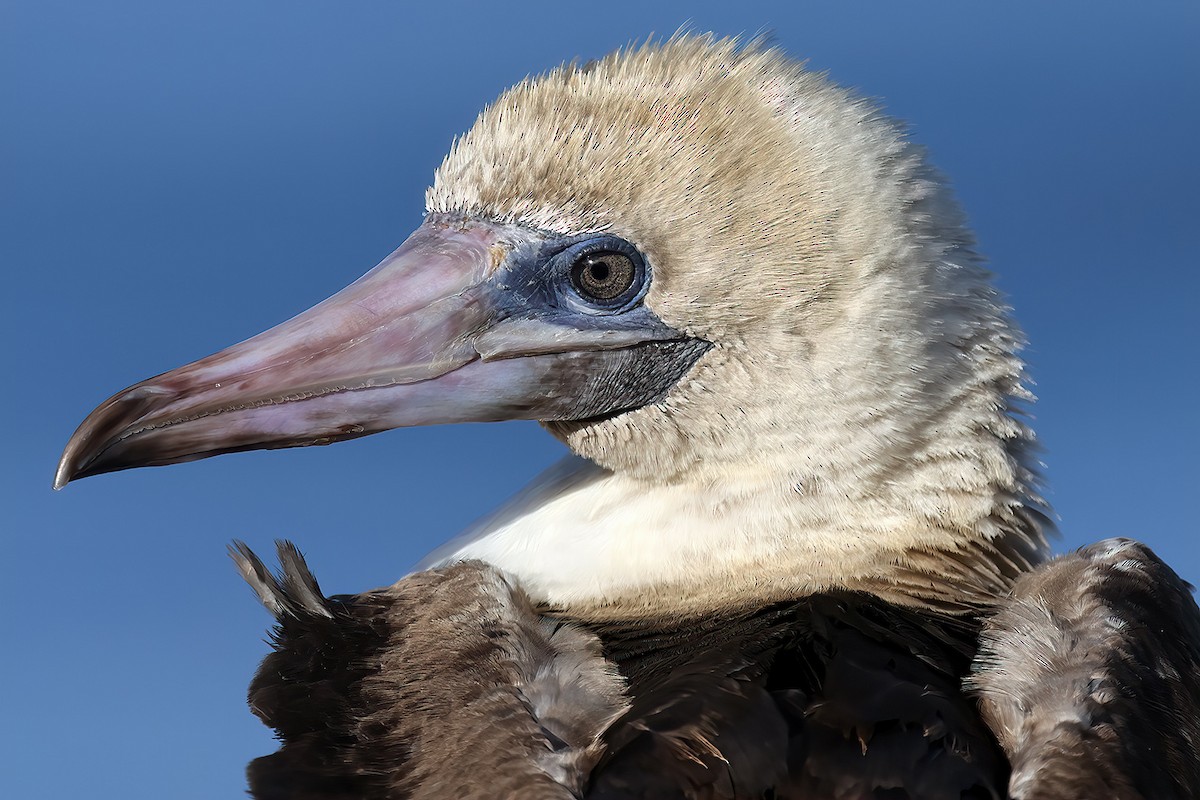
(853, 422)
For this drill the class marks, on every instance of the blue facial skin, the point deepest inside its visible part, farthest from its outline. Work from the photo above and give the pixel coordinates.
(535, 283)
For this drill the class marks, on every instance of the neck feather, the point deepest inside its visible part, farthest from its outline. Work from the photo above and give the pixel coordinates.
(601, 545)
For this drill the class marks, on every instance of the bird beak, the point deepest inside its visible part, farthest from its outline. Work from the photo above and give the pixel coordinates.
(431, 335)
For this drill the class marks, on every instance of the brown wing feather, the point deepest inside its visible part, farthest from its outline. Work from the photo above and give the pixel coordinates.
(447, 684)
(832, 697)
(1090, 677)
(451, 684)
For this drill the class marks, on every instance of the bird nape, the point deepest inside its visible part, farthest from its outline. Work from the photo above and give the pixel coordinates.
(798, 550)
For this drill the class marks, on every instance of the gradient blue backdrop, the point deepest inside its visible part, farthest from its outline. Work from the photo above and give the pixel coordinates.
(179, 176)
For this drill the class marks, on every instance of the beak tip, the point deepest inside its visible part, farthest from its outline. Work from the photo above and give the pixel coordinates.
(89, 447)
(63, 476)
(75, 460)
(68, 465)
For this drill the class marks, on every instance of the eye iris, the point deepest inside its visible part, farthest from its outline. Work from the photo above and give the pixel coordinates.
(603, 275)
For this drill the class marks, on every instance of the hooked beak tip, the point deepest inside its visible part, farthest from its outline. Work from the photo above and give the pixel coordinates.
(92, 438)
(69, 466)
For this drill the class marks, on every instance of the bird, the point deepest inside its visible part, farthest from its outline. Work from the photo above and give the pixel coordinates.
(798, 548)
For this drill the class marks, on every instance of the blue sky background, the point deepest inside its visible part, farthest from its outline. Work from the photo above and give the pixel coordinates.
(179, 176)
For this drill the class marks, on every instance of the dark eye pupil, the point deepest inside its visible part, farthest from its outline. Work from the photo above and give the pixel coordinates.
(603, 275)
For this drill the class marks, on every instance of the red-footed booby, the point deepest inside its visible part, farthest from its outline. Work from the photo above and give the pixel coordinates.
(798, 550)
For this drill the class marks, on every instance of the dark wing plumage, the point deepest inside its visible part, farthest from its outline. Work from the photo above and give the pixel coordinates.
(1090, 676)
(835, 696)
(450, 684)
(447, 684)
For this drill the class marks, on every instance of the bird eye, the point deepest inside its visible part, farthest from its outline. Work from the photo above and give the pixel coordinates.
(607, 274)
(603, 275)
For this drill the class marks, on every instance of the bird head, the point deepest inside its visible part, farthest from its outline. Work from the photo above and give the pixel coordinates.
(699, 265)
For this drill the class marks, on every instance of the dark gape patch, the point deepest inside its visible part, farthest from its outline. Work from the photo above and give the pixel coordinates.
(645, 376)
